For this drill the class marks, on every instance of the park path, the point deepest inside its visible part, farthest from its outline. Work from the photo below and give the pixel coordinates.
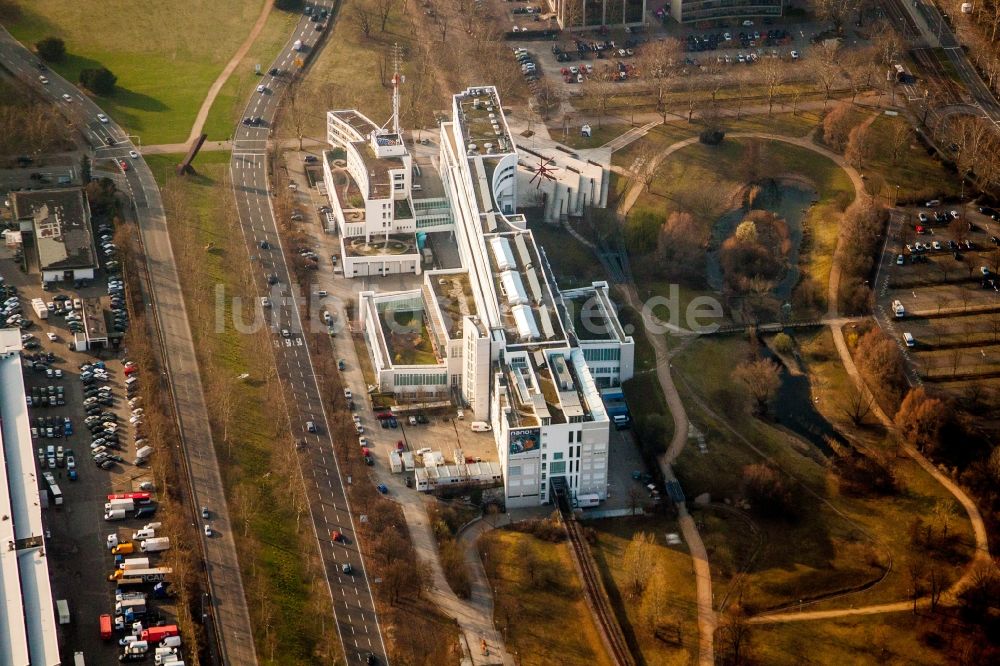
(474, 615)
(707, 620)
(706, 616)
(213, 92)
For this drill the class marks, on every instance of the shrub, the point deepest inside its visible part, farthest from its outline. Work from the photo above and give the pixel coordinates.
(99, 81)
(712, 137)
(783, 343)
(51, 49)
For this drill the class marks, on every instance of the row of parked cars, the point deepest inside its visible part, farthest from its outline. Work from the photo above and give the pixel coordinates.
(529, 68)
(102, 425)
(743, 39)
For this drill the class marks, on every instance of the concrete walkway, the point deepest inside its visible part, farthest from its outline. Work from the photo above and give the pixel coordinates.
(213, 92)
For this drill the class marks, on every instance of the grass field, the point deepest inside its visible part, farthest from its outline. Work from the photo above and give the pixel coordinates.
(165, 55)
(918, 175)
(842, 540)
(346, 74)
(227, 110)
(864, 641)
(613, 537)
(545, 620)
(291, 615)
(598, 137)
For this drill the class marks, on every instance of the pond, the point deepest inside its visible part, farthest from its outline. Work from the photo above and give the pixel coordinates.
(793, 408)
(790, 202)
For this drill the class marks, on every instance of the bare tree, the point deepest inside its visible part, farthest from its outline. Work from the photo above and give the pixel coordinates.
(548, 98)
(637, 562)
(825, 66)
(837, 12)
(363, 19)
(772, 75)
(384, 8)
(761, 379)
(859, 145)
(659, 65)
(899, 138)
(858, 407)
(734, 637)
(600, 89)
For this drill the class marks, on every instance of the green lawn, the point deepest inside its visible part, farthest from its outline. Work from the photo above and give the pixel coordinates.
(871, 640)
(598, 137)
(165, 55)
(291, 615)
(674, 564)
(346, 74)
(231, 100)
(919, 176)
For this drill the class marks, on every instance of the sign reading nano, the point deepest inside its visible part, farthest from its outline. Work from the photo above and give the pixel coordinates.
(524, 440)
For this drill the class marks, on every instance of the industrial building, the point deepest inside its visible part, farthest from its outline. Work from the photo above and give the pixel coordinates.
(27, 614)
(496, 335)
(55, 233)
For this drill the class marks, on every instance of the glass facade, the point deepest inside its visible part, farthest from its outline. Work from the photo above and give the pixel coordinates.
(422, 379)
(591, 354)
(704, 10)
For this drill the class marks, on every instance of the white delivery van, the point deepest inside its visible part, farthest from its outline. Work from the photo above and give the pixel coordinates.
(481, 426)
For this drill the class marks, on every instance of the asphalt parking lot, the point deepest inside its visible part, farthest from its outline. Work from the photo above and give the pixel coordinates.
(76, 530)
(943, 273)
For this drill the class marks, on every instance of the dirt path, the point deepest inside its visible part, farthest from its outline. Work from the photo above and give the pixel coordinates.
(707, 621)
(213, 92)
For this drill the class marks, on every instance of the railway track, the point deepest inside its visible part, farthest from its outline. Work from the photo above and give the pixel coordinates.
(599, 602)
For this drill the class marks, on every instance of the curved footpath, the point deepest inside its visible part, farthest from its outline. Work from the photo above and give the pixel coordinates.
(213, 92)
(706, 616)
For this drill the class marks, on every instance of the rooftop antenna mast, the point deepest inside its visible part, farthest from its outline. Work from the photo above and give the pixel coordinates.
(397, 79)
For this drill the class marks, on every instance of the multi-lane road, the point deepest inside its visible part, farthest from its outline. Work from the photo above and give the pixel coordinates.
(354, 606)
(166, 304)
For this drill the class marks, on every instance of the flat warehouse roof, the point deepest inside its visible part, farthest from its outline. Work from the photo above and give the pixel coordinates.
(61, 224)
(27, 620)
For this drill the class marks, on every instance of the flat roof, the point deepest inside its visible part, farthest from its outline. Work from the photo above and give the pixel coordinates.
(453, 293)
(60, 220)
(591, 315)
(93, 319)
(379, 183)
(519, 280)
(482, 121)
(27, 618)
(358, 122)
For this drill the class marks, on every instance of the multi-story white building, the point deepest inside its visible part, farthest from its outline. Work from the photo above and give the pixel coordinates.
(368, 179)
(496, 333)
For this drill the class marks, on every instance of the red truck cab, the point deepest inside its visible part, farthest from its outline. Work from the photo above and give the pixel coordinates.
(105, 626)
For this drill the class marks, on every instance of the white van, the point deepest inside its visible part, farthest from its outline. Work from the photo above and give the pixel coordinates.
(480, 426)
(143, 534)
(908, 339)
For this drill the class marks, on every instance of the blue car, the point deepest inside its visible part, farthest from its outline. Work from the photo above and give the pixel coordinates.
(382, 488)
